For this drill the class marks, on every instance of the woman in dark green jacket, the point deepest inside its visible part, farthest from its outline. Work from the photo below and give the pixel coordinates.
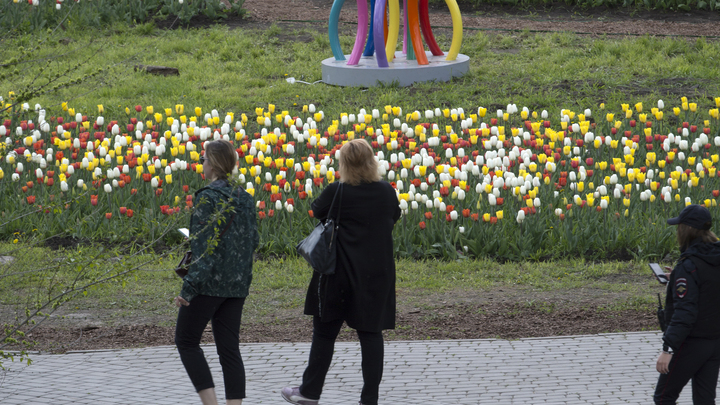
(223, 237)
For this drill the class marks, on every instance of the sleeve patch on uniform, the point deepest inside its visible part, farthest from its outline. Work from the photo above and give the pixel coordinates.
(681, 287)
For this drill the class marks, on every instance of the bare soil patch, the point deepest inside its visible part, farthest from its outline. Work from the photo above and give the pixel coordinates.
(506, 312)
(554, 18)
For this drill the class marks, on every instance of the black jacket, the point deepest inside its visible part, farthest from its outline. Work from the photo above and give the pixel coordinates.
(692, 305)
(362, 290)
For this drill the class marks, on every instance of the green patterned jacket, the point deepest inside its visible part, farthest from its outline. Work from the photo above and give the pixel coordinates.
(222, 253)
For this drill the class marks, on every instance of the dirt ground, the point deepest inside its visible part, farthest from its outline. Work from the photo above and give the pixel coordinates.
(505, 312)
(596, 21)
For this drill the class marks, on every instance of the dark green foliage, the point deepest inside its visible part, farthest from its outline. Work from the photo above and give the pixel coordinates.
(22, 16)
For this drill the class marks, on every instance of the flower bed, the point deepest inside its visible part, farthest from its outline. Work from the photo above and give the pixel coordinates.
(510, 184)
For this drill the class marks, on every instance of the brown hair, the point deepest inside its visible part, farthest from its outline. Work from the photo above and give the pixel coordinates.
(357, 163)
(221, 156)
(686, 234)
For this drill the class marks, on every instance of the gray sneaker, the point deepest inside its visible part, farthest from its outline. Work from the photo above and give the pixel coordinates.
(292, 395)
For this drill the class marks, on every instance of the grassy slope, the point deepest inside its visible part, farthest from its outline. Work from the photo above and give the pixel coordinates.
(279, 285)
(241, 69)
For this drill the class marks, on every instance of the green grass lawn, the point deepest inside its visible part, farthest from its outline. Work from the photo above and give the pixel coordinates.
(240, 69)
(279, 285)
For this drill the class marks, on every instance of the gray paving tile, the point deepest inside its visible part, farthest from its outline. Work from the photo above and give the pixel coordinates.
(590, 369)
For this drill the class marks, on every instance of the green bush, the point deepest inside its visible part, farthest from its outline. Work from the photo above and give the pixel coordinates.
(29, 16)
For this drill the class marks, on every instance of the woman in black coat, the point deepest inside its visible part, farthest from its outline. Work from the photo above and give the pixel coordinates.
(362, 290)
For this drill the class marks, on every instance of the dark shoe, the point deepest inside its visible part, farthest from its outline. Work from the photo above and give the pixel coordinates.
(292, 395)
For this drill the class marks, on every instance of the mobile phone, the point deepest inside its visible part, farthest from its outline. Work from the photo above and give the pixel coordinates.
(659, 273)
(185, 232)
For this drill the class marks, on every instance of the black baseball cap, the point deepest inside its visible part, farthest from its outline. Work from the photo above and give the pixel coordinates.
(695, 216)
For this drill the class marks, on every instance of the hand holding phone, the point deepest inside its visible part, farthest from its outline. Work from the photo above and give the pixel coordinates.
(660, 275)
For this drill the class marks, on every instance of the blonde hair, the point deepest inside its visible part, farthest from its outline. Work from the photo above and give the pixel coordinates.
(686, 234)
(357, 163)
(221, 157)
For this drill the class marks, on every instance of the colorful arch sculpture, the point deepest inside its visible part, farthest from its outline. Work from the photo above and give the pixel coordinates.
(385, 30)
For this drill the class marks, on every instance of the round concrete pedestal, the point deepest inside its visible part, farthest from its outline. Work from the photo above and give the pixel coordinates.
(402, 71)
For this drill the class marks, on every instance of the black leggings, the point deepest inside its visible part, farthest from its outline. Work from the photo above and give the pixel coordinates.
(697, 359)
(225, 314)
(321, 352)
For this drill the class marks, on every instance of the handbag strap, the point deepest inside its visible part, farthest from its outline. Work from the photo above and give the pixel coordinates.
(332, 204)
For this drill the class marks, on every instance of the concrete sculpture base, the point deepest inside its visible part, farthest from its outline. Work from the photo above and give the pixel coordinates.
(402, 71)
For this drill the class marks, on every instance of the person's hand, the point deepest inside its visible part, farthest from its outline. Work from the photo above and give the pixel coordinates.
(180, 302)
(669, 269)
(663, 363)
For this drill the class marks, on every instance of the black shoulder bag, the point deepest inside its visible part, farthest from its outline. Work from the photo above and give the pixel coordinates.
(319, 248)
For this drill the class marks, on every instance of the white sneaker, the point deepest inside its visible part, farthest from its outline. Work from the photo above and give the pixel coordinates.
(292, 395)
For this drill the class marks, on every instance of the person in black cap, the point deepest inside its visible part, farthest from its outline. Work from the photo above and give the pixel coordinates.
(691, 342)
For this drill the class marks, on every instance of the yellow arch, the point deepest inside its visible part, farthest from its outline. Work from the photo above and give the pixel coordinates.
(457, 30)
(393, 32)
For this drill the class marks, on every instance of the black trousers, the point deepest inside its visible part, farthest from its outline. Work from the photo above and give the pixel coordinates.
(321, 352)
(697, 359)
(225, 314)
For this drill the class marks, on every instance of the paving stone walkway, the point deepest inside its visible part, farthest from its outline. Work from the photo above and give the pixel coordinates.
(614, 368)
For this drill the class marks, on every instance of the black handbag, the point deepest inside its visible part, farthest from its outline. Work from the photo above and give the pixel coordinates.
(319, 248)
